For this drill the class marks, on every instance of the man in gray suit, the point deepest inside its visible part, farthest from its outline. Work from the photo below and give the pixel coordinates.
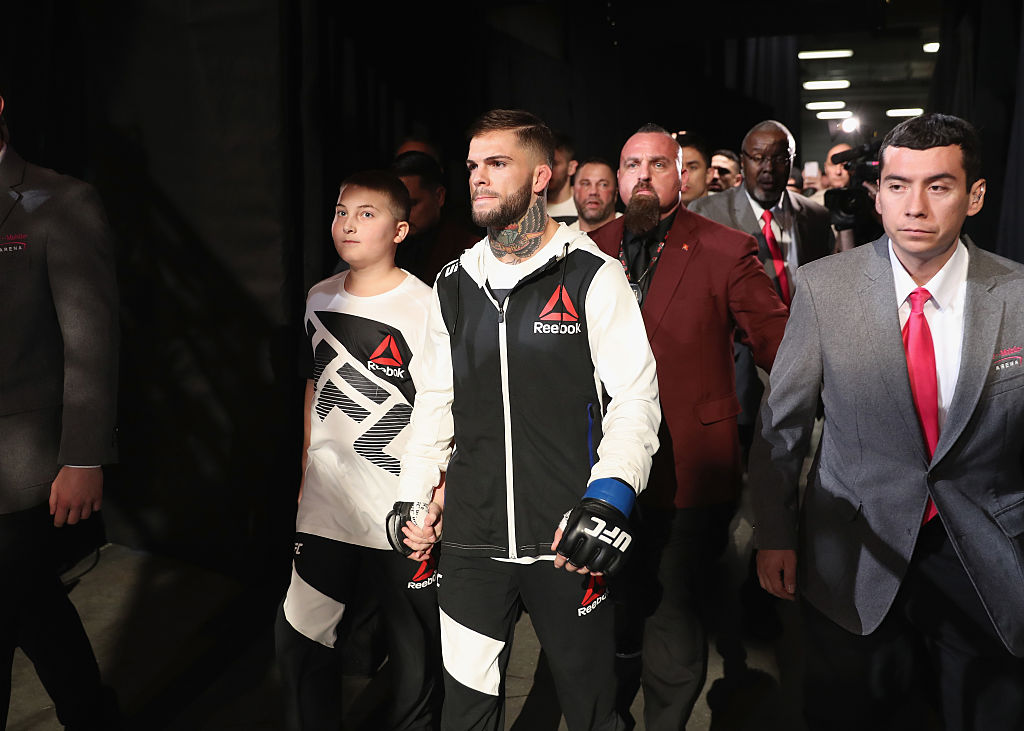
(908, 547)
(58, 382)
(790, 229)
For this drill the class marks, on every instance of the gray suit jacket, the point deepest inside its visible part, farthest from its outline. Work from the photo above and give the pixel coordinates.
(814, 237)
(860, 515)
(58, 342)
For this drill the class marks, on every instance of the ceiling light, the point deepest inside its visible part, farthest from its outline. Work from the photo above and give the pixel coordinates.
(837, 53)
(818, 85)
(910, 112)
(815, 106)
(845, 114)
(930, 47)
(850, 125)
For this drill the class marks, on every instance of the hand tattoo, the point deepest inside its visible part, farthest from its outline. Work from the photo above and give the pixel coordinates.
(521, 239)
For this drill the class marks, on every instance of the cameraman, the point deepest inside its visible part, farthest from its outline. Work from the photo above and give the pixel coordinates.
(852, 175)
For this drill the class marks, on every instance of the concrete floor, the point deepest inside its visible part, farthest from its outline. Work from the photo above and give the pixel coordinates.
(185, 651)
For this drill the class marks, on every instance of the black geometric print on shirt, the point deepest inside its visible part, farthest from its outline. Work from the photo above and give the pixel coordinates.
(323, 355)
(371, 444)
(331, 398)
(363, 384)
(362, 337)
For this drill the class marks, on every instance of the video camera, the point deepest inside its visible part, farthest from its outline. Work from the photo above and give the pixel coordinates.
(853, 207)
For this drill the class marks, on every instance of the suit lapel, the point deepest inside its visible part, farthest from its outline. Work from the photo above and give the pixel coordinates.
(12, 173)
(671, 266)
(803, 231)
(983, 315)
(882, 320)
(742, 215)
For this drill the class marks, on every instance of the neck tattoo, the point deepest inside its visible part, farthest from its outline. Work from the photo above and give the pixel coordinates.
(521, 239)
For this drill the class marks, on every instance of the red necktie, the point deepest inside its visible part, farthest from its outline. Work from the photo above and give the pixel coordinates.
(777, 260)
(917, 342)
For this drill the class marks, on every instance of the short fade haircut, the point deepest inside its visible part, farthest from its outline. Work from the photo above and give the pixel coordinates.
(564, 142)
(387, 184)
(530, 131)
(689, 139)
(937, 130)
(727, 153)
(595, 161)
(420, 164)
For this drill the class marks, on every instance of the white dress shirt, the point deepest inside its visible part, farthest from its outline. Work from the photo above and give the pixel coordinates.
(944, 313)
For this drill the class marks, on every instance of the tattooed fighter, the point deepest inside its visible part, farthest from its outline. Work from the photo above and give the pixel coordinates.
(529, 331)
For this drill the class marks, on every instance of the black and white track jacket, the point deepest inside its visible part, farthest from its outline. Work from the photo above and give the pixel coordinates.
(520, 388)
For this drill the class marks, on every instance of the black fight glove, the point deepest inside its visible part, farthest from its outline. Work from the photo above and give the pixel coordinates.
(401, 514)
(596, 533)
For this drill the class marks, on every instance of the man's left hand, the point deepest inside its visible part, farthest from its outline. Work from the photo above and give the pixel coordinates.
(75, 494)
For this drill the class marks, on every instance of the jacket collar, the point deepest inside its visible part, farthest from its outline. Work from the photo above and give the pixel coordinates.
(472, 260)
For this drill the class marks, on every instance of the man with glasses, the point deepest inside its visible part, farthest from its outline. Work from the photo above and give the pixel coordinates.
(790, 229)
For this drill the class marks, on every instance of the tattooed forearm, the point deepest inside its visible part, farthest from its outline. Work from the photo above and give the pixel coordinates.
(520, 240)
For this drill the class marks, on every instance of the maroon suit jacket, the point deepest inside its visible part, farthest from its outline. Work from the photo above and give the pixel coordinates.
(707, 281)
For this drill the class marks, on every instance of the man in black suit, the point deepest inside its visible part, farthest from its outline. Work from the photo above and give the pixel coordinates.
(58, 385)
(790, 229)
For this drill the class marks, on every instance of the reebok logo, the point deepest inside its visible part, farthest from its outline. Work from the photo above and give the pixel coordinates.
(595, 594)
(560, 313)
(616, 537)
(559, 308)
(386, 358)
(425, 575)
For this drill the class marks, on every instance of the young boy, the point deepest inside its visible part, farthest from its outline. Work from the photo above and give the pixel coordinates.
(366, 327)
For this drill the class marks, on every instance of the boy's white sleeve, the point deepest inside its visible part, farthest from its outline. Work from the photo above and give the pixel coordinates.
(625, 365)
(431, 427)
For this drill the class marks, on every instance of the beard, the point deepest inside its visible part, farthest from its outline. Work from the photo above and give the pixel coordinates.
(598, 214)
(642, 212)
(510, 208)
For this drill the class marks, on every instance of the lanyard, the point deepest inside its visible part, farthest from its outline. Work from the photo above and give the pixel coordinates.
(636, 286)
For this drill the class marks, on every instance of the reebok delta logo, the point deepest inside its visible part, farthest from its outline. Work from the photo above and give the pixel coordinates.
(387, 359)
(595, 594)
(425, 575)
(560, 313)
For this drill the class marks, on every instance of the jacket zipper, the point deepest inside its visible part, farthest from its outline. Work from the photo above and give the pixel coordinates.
(510, 501)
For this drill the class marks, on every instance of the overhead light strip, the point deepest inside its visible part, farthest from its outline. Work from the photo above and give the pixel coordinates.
(813, 55)
(930, 47)
(816, 106)
(908, 112)
(845, 114)
(823, 85)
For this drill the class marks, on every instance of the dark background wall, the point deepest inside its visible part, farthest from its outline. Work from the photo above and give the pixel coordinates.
(217, 133)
